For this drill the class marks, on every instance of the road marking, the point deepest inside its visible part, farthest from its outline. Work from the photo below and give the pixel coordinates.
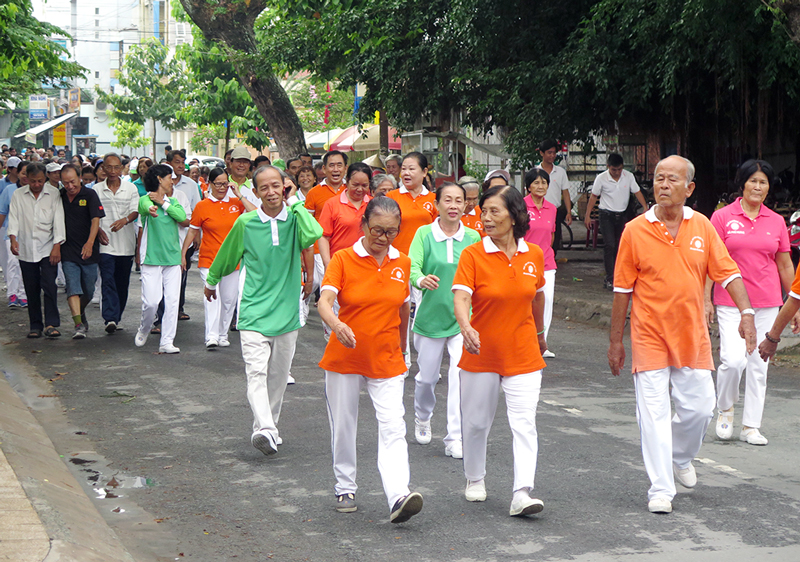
(726, 469)
(574, 411)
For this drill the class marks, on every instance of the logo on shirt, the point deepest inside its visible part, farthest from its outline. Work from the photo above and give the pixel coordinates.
(735, 227)
(398, 274)
(82, 203)
(428, 206)
(697, 244)
(531, 215)
(529, 269)
(233, 209)
(478, 225)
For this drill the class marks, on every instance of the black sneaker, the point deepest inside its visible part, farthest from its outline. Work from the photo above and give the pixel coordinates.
(111, 327)
(406, 507)
(346, 503)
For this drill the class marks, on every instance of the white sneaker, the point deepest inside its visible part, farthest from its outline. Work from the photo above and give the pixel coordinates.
(279, 440)
(224, 343)
(264, 443)
(290, 380)
(686, 477)
(169, 348)
(422, 431)
(548, 354)
(753, 437)
(211, 344)
(522, 504)
(725, 424)
(476, 491)
(454, 450)
(659, 505)
(141, 338)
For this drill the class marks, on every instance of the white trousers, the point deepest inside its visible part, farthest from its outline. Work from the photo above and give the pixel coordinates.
(13, 273)
(734, 359)
(430, 352)
(267, 361)
(678, 442)
(549, 294)
(161, 281)
(219, 312)
(342, 393)
(319, 273)
(479, 396)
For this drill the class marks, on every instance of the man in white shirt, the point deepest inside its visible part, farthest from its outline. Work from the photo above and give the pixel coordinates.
(120, 200)
(558, 189)
(614, 188)
(184, 184)
(36, 231)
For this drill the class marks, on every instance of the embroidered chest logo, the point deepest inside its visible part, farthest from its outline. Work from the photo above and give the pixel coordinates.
(734, 227)
(233, 209)
(529, 269)
(398, 275)
(697, 244)
(82, 203)
(478, 225)
(428, 206)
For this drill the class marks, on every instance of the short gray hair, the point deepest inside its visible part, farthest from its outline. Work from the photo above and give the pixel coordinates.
(264, 168)
(380, 178)
(395, 158)
(690, 170)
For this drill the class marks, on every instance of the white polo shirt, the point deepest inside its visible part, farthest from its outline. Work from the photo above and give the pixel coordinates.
(38, 223)
(118, 206)
(614, 195)
(558, 184)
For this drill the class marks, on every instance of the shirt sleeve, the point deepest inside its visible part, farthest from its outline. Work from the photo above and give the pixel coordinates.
(795, 290)
(597, 186)
(716, 222)
(721, 266)
(230, 253)
(634, 185)
(95, 208)
(5, 200)
(133, 203)
(144, 207)
(465, 273)
(783, 238)
(176, 211)
(13, 213)
(198, 217)
(626, 270)
(309, 202)
(334, 275)
(417, 254)
(309, 230)
(325, 217)
(59, 228)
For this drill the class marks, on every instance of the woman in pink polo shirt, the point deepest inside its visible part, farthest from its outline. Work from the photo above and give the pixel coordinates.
(542, 215)
(757, 240)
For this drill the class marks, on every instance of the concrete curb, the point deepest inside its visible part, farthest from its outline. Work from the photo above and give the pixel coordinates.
(69, 526)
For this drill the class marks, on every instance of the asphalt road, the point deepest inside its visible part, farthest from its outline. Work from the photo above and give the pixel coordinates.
(162, 445)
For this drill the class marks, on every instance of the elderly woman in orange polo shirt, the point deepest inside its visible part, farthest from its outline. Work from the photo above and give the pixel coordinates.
(214, 216)
(371, 282)
(502, 280)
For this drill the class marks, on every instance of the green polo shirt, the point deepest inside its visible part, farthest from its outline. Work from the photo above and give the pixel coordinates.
(161, 244)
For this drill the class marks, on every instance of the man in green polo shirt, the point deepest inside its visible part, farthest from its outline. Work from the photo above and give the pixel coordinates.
(268, 243)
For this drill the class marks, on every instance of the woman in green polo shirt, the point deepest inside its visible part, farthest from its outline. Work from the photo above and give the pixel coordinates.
(434, 255)
(160, 252)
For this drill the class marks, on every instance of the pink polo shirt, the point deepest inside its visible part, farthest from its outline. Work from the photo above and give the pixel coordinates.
(754, 245)
(542, 226)
(341, 221)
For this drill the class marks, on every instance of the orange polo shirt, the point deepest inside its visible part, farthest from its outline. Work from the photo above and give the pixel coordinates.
(473, 220)
(502, 306)
(370, 297)
(341, 221)
(316, 199)
(215, 218)
(795, 290)
(667, 277)
(415, 213)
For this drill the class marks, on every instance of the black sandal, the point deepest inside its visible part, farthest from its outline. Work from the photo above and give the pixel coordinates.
(33, 334)
(52, 332)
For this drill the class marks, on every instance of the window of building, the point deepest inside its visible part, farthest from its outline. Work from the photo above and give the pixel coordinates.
(97, 11)
(97, 35)
(97, 74)
(97, 23)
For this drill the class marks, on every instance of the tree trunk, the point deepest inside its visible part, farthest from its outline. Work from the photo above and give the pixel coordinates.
(227, 135)
(792, 10)
(384, 134)
(230, 22)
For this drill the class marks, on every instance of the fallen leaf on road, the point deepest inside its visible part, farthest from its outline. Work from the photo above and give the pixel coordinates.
(168, 466)
(113, 483)
(36, 350)
(48, 396)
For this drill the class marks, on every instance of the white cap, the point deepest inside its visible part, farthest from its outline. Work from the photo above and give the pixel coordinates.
(498, 174)
(53, 167)
(13, 162)
(173, 170)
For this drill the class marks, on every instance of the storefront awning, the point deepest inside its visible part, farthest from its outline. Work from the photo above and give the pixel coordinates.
(33, 131)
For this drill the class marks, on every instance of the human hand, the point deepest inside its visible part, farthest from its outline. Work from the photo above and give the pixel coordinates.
(210, 294)
(117, 225)
(86, 251)
(747, 329)
(709, 312)
(429, 282)
(345, 335)
(472, 340)
(102, 237)
(55, 254)
(616, 357)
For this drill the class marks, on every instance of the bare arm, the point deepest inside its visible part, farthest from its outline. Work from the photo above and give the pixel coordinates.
(537, 307)
(616, 349)
(568, 205)
(405, 313)
(324, 244)
(589, 208)
(308, 265)
(788, 311)
(342, 331)
(190, 236)
(747, 326)
(640, 198)
(708, 302)
(461, 303)
(86, 251)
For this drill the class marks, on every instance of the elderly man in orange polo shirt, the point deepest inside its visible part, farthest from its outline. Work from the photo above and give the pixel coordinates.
(664, 258)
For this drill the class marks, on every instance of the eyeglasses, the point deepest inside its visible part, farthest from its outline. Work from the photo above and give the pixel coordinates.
(390, 233)
(219, 184)
(112, 168)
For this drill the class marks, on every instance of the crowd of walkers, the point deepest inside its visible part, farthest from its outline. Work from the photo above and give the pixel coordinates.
(395, 261)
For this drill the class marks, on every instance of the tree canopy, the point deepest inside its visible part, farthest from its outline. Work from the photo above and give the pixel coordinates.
(28, 58)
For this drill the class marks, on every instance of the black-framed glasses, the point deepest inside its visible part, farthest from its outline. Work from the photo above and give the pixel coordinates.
(390, 233)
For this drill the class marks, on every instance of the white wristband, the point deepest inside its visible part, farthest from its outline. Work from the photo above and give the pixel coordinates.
(748, 311)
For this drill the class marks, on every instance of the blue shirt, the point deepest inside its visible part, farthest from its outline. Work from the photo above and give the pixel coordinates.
(5, 203)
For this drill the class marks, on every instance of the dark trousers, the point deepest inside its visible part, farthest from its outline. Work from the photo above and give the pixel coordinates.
(561, 214)
(38, 277)
(611, 226)
(182, 301)
(115, 272)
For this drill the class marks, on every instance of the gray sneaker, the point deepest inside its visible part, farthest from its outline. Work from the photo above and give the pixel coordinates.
(346, 503)
(80, 332)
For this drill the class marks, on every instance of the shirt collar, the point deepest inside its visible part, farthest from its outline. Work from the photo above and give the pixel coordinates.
(361, 251)
(473, 212)
(344, 200)
(423, 192)
(490, 247)
(440, 236)
(739, 210)
(224, 199)
(282, 216)
(650, 215)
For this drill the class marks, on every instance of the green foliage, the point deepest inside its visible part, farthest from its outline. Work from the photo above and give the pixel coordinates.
(128, 134)
(27, 56)
(205, 137)
(310, 100)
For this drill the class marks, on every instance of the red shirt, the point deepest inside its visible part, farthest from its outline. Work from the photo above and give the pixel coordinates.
(341, 221)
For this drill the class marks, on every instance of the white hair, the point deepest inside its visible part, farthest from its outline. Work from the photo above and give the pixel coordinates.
(690, 170)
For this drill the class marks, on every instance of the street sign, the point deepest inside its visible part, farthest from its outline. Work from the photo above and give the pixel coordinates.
(38, 108)
(74, 100)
